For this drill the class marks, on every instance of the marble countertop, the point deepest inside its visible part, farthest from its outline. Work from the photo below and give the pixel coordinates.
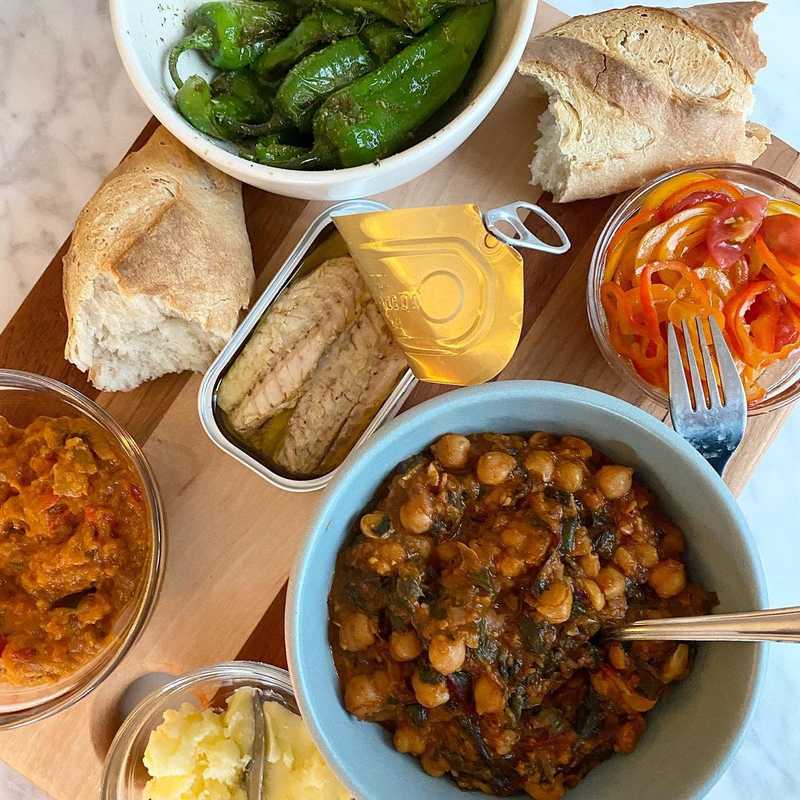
(69, 115)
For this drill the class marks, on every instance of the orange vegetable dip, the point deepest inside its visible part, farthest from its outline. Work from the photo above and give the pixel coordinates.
(73, 544)
(701, 247)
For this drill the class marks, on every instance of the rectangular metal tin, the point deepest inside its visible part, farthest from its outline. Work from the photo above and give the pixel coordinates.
(206, 399)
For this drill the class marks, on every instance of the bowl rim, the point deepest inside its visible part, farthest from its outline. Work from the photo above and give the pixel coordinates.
(207, 148)
(153, 578)
(301, 662)
(622, 211)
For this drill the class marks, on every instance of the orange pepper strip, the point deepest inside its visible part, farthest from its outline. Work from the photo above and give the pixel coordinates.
(655, 199)
(711, 185)
(788, 285)
(621, 238)
(738, 330)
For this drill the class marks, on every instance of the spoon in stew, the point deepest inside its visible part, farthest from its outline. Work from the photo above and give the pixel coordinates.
(254, 776)
(770, 625)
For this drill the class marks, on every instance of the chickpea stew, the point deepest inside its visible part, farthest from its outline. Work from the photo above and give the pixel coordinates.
(74, 542)
(467, 610)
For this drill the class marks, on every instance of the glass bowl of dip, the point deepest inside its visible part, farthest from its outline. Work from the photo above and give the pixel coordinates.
(23, 398)
(124, 773)
(781, 380)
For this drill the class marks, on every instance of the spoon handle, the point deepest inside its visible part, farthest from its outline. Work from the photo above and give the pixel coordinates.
(772, 625)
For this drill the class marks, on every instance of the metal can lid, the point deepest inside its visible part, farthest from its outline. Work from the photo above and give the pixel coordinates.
(451, 292)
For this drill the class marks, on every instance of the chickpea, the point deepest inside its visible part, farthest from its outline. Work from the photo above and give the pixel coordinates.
(404, 645)
(594, 593)
(555, 602)
(446, 655)
(511, 567)
(568, 475)
(357, 632)
(628, 735)
(590, 565)
(612, 582)
(541, 464)
(409, 740)
(489, 697)
(429, 695)
(574, 444)
(494, 467)
(452, 451)
(365, 695)
(434, 764)
(583, 544)
(672, 543)
(645, 554)
(668, 578)
(624, 559)
(415, 513)
(513, 536)
(617, 656)
(676, 666)
(614, 481)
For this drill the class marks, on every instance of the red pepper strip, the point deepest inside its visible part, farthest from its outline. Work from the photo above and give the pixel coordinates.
(788, 285)
(691, 200)
(714, 185)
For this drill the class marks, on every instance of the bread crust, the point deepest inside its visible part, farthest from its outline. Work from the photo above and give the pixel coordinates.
(637, 91)
(166, 225)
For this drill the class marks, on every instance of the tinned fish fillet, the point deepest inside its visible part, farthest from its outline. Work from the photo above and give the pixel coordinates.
(341, 384)
(289, 342)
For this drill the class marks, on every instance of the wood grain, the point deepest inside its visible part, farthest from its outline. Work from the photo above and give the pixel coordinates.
(232, 537)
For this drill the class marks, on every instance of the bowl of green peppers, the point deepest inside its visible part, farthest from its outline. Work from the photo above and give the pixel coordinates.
(322, 99)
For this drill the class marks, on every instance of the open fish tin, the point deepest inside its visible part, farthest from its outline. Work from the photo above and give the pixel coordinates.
(212, 417)
(417, 263)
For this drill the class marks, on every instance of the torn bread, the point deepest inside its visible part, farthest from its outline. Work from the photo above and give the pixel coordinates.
(158, 269)
(637, 91)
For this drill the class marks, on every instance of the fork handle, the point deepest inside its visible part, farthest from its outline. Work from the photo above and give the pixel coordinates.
(773, 625)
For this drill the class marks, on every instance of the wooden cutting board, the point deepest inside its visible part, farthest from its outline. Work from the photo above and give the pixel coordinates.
(232, 537)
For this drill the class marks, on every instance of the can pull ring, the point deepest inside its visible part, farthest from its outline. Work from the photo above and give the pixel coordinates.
(523, 237)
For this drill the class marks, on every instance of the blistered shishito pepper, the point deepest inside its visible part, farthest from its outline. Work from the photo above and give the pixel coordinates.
(310, 82)
(221, 109)
(414, 14)
(274, 153)
(317, 28)
(376, 115)
(384, 39)
(234, 33)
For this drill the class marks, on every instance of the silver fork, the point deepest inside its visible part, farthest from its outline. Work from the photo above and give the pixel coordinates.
(714, 427)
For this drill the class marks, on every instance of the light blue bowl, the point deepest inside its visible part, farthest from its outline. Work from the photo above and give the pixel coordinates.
(691, 736)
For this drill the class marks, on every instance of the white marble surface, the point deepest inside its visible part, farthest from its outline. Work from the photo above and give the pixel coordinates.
(69, 113)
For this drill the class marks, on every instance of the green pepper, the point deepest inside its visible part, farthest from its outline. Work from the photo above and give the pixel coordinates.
(318, 27)
(384, 39)
(310, 82)
(221, 109)
(234, 33)
(414, 14)
(274, 153)
(376, 115)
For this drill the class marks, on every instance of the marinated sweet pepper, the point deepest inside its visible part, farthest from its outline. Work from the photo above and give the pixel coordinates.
(234, 33)
(319, 27)
(376, 115)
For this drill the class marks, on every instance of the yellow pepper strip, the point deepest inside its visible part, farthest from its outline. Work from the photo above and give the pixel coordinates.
(661, 192)
(677, 236)
(651, 240)
(782, 207)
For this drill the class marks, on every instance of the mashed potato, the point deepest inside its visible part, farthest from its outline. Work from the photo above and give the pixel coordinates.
(201, 755)
(295, 770)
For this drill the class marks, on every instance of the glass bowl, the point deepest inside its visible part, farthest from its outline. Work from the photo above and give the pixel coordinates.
(124, 774)
(782, 380)
(23, 398)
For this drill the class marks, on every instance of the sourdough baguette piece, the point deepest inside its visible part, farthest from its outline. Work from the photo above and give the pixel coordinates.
(159, 267)
(637, 91)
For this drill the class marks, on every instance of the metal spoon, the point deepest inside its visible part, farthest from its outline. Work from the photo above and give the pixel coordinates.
(772, 625)
(254, 776)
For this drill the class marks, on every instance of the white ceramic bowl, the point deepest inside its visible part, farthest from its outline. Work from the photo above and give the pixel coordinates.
(145, 30)
(691, 736)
